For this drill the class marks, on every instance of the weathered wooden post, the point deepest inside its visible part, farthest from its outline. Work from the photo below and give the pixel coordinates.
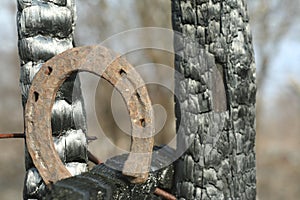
(215, 106)
(46, 28)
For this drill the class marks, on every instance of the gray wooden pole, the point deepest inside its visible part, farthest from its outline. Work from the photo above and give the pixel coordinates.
(46, 28)
(215, 104)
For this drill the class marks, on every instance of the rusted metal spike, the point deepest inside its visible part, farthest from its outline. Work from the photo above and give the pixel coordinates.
(11, 135)
(91, 138)
(117, 71)
(164, 194)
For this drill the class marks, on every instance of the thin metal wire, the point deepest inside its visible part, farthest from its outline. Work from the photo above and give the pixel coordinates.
(164, 194)
(11, 135)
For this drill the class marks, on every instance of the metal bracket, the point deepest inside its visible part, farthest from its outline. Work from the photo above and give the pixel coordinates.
(117, 71)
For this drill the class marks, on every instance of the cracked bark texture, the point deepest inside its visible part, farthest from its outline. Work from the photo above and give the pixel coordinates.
(215, 102)
(46, 28)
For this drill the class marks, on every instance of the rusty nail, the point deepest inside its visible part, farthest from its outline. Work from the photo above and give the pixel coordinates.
(11, 135)
(164, 194)
(93, 159)
(91, 138)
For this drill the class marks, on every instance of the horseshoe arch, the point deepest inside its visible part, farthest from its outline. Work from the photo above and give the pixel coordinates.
(117, 71)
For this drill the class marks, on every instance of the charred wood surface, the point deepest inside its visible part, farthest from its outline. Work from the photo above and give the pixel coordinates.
(106, 182)
(45, 29)
(215, 102)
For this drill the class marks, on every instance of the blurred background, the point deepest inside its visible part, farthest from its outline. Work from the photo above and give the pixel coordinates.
(276, 37)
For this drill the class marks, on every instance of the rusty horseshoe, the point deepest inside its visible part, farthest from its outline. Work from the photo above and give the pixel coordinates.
(117, 71)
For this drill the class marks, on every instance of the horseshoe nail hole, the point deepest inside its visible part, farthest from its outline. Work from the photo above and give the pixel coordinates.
(49, 70)
(36, 96)
(138, 96)
(142, 122)
(122, 72)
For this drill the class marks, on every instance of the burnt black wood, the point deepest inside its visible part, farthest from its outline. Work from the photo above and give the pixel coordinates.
(105, 182)
(215, 103)
(45, 29)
